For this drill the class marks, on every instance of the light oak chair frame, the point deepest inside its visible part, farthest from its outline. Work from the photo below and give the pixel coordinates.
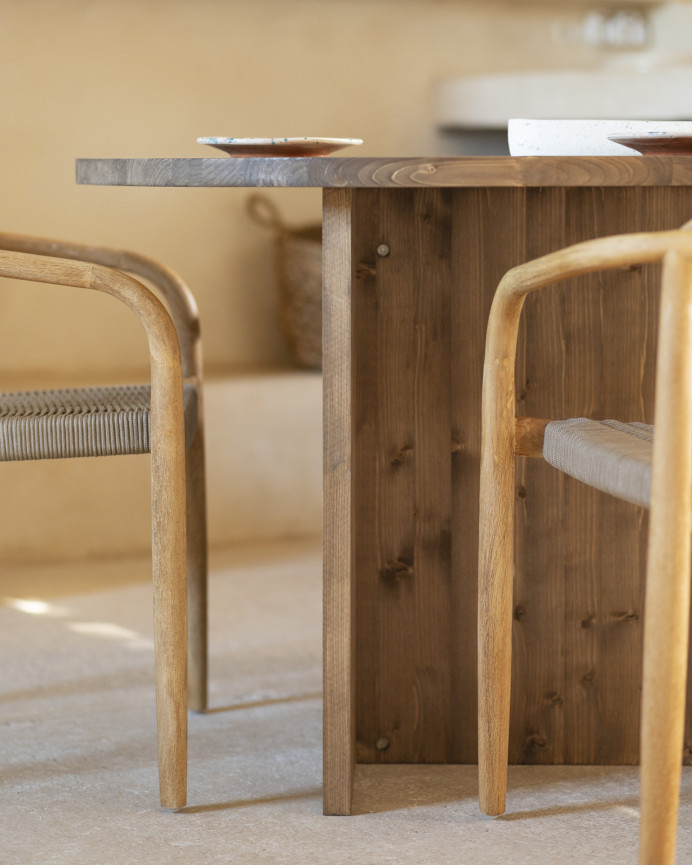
(183, 310)
(666, 621)
(178, 515)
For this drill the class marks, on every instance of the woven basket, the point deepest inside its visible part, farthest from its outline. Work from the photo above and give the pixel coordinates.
(298, 257)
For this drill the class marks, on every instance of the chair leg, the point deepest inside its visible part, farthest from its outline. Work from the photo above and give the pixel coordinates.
(663, 699)
(667, 602)
(197, 575)
(170, 608)
(496, 554)
(170, 640)
(171, 694)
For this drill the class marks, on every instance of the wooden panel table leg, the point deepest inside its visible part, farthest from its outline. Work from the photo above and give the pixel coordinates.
(409, 275)
(339, 668)
(404, 332)
(402, 481)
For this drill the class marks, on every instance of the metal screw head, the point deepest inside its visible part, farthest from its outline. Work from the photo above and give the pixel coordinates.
(382, 743)
(383, 250)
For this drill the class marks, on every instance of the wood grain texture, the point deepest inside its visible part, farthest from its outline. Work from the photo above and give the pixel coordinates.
(529, 433)
(339, 585)
(402, 474)
(354, 172)
(577, 603)
(577, 623)
(484, 246)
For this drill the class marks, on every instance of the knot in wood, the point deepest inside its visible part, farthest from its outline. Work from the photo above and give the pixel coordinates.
(626, 616)
(535, 741)
(393, 572)
(587, 679)
(400, 456)
(364, 271)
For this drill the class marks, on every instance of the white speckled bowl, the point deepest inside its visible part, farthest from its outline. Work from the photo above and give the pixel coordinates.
(583, 137)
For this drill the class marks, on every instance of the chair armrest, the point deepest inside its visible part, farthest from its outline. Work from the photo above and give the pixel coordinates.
(173, 290)
(503, 323)
(161, 334)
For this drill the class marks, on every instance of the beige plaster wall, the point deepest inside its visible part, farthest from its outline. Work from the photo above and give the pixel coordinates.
(137, 78)
(146, 77)
(263, 437)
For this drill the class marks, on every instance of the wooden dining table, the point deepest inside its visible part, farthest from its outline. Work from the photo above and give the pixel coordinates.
(413, 249)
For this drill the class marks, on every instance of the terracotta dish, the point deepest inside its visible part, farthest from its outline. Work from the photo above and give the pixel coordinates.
(653, 144)
(279, 146)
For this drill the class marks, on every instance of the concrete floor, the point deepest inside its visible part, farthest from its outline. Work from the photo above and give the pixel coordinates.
(79, 754)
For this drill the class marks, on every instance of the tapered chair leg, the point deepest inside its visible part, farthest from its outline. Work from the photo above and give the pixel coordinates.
(494, 673)
(666, 611)
(197, 569)
(170, 588)
(495, 589)
(170, 637)
(663, 709)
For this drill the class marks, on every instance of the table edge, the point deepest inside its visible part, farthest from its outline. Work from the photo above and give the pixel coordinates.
(399, 172)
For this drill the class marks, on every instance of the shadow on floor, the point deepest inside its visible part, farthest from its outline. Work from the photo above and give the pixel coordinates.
(246, 803)
(255, 704)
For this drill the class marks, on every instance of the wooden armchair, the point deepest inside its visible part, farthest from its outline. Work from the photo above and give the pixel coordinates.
(619, 459)
(165, 419)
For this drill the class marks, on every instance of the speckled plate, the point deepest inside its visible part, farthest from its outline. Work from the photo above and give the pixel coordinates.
(593, 137)
(279, 146)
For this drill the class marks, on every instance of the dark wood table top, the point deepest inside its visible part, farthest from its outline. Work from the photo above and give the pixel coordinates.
(349, 172)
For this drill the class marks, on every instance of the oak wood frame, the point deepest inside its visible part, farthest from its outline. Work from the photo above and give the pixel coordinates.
(168, 494)
(183, 310)
(668, 563)
(339, 587)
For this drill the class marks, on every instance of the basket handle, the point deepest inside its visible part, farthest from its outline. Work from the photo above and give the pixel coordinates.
(264, 212)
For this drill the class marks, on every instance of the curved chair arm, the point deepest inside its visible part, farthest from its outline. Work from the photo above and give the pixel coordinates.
(498, 446)
(152, 314)
(572, 261)
(178, 297)
(183, 309)
(667, 592)
(167, 491)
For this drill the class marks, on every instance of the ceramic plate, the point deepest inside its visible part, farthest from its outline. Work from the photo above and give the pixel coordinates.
(279, 146)
(656, 143)
(532, 137)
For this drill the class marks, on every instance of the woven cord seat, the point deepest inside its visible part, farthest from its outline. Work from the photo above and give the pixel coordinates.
(84, 422)
(611, 456)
